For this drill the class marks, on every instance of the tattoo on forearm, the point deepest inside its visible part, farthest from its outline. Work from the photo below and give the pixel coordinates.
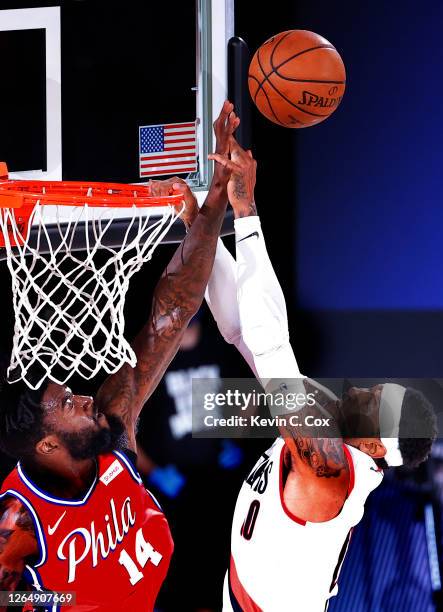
(250, 211)
(240, 191)
(177, 296)
(322, 455)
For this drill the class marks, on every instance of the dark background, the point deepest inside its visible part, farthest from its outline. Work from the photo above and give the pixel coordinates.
(352, 207)
(23, 103)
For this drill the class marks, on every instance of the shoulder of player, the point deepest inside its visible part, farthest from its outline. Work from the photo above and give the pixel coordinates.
(18, 541)
(16, 522)
(312, 495)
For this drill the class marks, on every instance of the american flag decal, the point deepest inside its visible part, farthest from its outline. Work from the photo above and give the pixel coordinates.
(168, 149)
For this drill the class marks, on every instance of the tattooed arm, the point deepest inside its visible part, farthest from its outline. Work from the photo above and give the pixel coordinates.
(17, 542)
(312, 454)
(314, 437)
(177, 297)
(264, 326)
(323, 456)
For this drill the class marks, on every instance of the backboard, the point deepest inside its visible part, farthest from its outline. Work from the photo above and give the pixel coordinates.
(105, 92)
(91, 87)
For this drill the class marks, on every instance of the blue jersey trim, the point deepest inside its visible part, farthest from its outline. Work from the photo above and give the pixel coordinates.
(36, 582)
(131, 467)
(55, 500)
(135, 475)
(154, 499)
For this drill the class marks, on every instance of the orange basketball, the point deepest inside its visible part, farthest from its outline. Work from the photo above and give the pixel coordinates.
(297, 78)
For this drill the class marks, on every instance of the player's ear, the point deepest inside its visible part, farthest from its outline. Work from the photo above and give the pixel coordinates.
(372, 447)
(47, 445)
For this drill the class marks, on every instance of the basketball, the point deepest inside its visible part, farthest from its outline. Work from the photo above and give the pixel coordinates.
(297, 79)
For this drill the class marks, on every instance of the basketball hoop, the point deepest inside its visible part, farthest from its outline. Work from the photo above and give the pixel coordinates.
(69, 310)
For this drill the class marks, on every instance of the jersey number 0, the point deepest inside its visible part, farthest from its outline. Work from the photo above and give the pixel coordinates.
(247, 529)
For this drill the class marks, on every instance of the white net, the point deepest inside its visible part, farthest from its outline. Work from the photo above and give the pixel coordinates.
(68, 304)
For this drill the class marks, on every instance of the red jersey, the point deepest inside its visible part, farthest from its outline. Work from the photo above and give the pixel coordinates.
(112, 548)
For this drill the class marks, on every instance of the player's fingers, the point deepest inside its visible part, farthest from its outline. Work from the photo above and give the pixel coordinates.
(234, 122)
(228, 127)
(157, 189)
(221, 159)
(185, 191)
(224, 161)
(226, 110)
(177, 179)
(231, 118)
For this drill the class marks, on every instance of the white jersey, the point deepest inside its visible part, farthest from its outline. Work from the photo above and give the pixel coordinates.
(280, 563)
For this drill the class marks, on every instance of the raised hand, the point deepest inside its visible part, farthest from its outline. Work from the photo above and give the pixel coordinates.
(242, 167)
(177, 296)
(173, 186)
(224, 126)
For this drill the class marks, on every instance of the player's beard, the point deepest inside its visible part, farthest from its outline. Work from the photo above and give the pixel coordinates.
(89, 444)
(85, 445)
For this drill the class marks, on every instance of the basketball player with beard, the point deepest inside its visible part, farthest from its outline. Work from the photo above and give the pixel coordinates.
(74, 515)
(296, 509)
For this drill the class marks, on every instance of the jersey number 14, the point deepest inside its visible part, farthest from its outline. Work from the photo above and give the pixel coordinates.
(144, 552)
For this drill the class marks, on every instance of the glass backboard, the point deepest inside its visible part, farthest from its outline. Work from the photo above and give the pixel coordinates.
(89, 83)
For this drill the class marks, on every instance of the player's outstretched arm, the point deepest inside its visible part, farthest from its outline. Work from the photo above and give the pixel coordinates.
(221, 297)
(177, 297)
(264, 331)
(17, 543)
(221, 291)
(263, 318)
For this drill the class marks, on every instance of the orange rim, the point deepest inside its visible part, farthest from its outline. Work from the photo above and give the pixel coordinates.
(17, 194)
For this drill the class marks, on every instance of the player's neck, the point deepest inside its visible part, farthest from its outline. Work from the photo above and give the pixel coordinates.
(68, 479)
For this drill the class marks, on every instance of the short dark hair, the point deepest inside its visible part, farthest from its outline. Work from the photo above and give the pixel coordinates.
(21, 417)
(417, 417)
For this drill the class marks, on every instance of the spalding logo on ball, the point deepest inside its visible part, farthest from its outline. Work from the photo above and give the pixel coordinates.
(297, 79)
